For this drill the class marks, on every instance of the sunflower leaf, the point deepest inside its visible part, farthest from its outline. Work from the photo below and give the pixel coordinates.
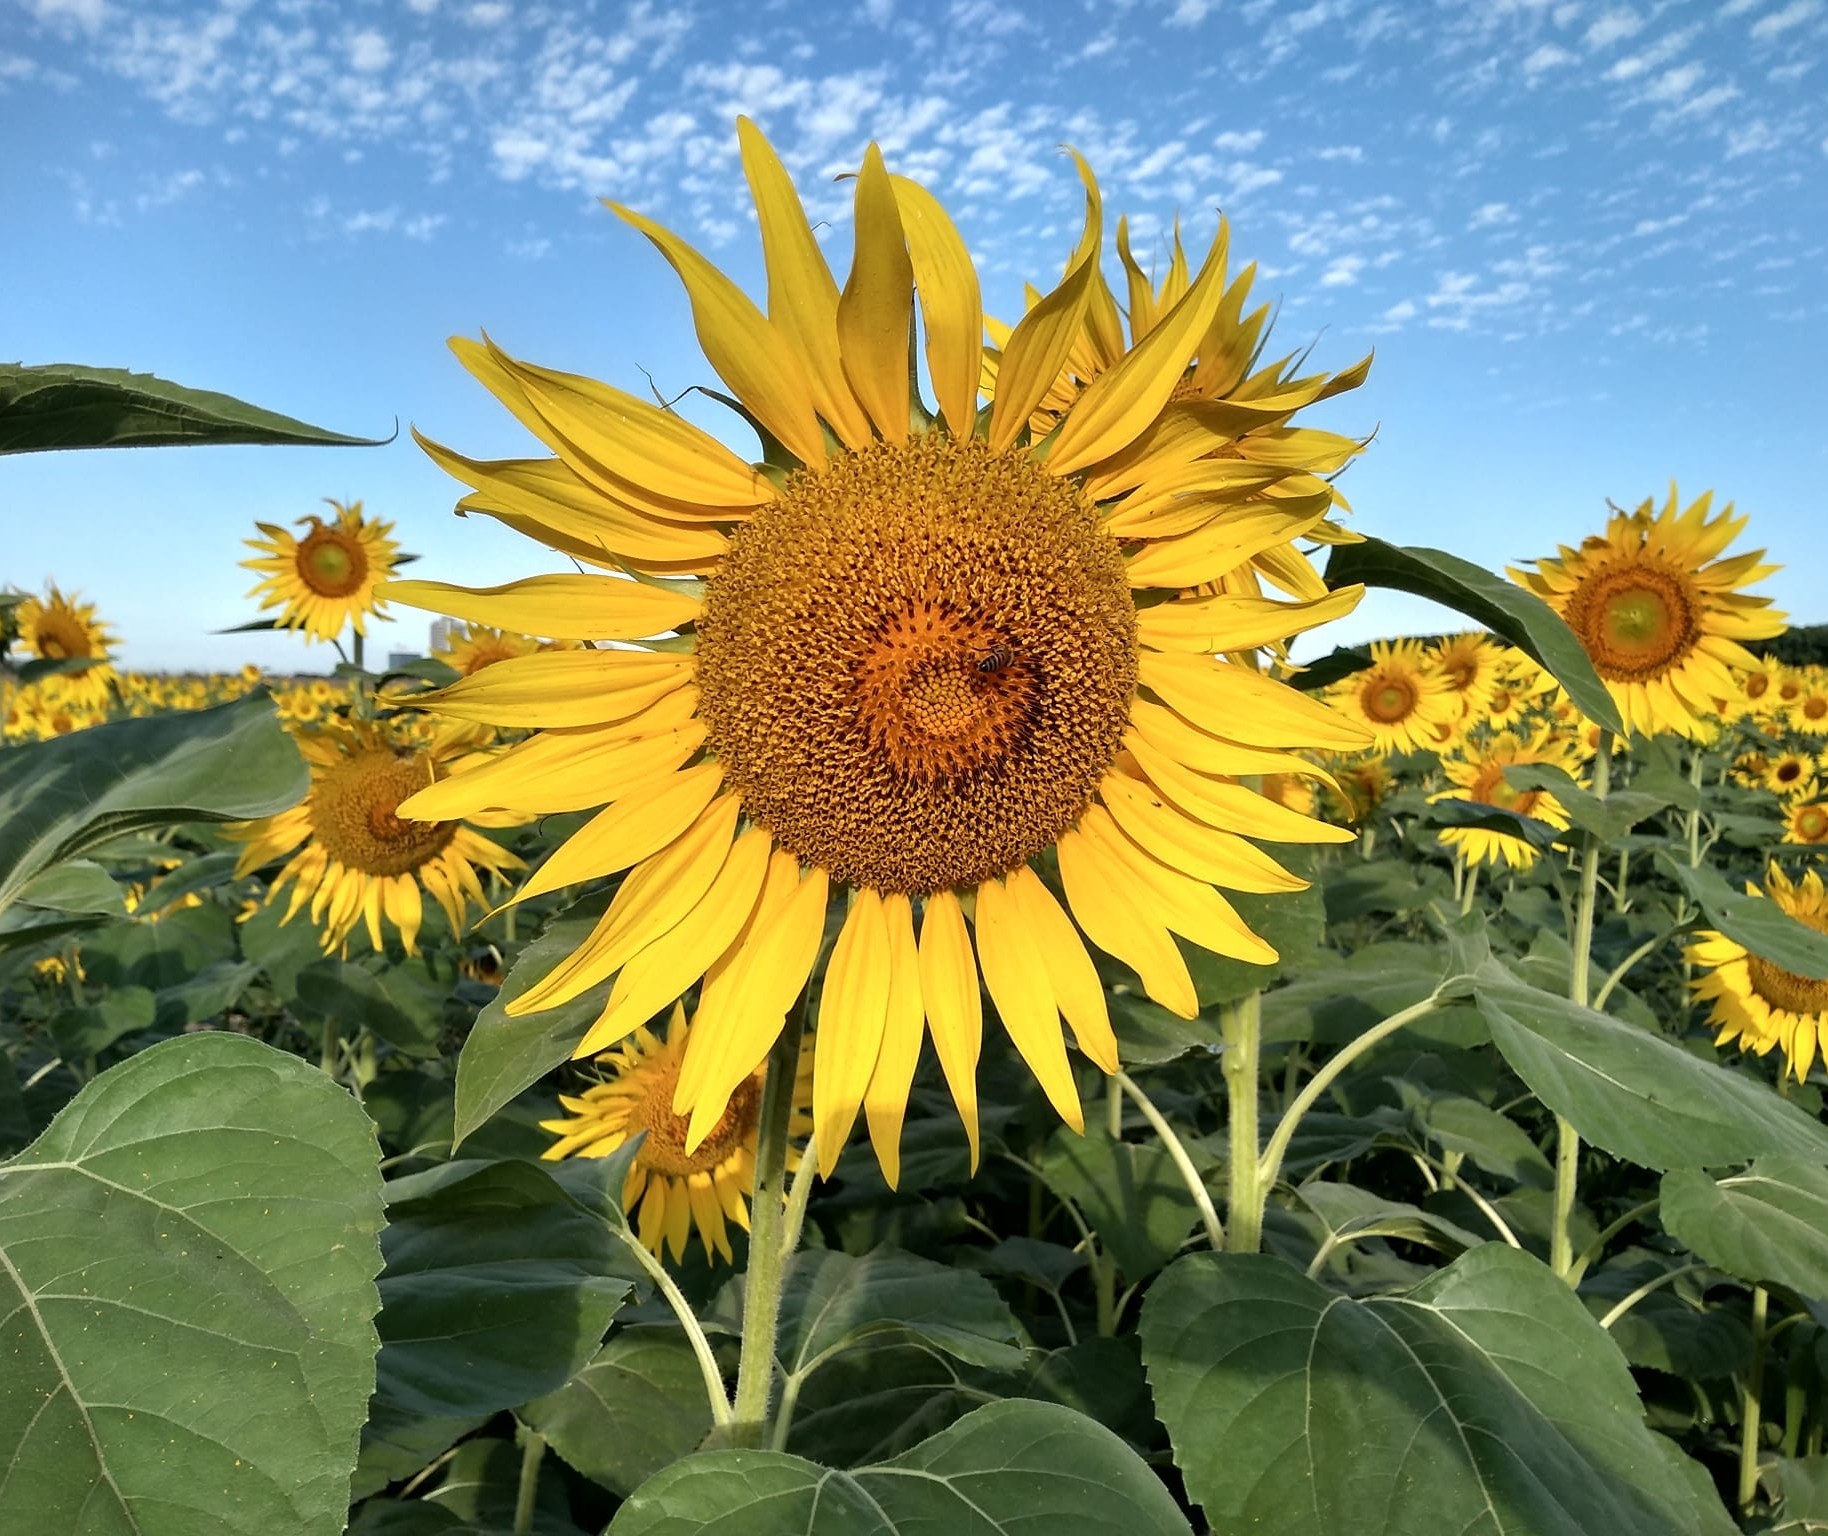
(1757, 922)
(1767, 1224)
(1509, 611)
(65, 405)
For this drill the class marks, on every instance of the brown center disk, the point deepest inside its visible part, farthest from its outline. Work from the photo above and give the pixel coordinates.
(1492, 788)
(664, 1150)
(918, 663)
(1810, 826)
(1785, 989)
(1636, 619)
(331, 562)
(353, 815)
(57, 638)
(1389, 699)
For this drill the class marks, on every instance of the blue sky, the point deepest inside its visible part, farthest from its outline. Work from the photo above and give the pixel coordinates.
(1585, 237)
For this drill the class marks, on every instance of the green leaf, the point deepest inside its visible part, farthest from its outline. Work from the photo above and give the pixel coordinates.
(81, 886)
(638, 1407)
(1608, 819)
(1492, 818)
(1297, 1412)
(1130, 1193)
(1767, 1224)
(1804, 1510)
(1348, 1213)
(1341, 661)
(1511, 612)
(1481, 1135)
(503, 1055)
(65, 405)
(498, 1288)
(396, 1445)
(62, 797)
(1009, 1469)
(89, 1030)
(190, 1254)
(1754, 921)
(388, 1002)
(1635, 1094)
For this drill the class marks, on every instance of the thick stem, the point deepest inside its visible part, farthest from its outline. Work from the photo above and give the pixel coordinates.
(1190, 1176)
(1241, 1023)
(356, 647)
(715, 1392)
(1753, 1405)
(532, 1453)
(1567, 1139)
(1470, 889)
(767, 1247)
(1271, 1166)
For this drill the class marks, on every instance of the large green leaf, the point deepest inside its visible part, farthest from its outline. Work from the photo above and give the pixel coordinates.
(1769, 1223)
(188, 1257)
(1297, 1412)
(1804, 1511)
(503, 1055)
(1635, 1094)
(62, 797)
(638, 1407)
(498, 1288)
(1130, 1193)
(65, 405)
(1512, 612)
(1011, 1467)
(1754, 921)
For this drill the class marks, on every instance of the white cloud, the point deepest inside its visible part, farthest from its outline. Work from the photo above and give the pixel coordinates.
(168, 190)
(422, 7)
(1238, 143)
(1548, 56)
(1749, 139)
(1778, 22)
(1657, 54)
(1190, 13)
(369, 52)
(87, 14)
(879, 12)
(1396, 314)
(1351, 153)
(1674, 84)
(1342, 272)
(1613, 27)
(1489, 215)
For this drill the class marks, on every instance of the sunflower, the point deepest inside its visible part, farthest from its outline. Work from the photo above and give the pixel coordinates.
(1479, 777)
(1472, 665)
(1791, 771)
(327, 579)
(678, 1185)
(1759, 1004)
(475, 646)
(1809, 714)
(913, 654)
(1806, 818)
(60, 627)
(1749, 770)
(1659, 614)
(1401, 699)
(1359, 788)
(353, 857)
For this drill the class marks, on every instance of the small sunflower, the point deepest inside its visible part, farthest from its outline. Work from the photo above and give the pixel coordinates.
(1659, 613)
(1401, 698)
(1749, 770)
(1809, 714)
(1790, 772)
(1473, 665)
(675, 1184)
(476, 646)
(1756, 1003)
(325, 580)
(1479, 776)
(1359, 787)
(61, 627)
(353, 857)
(1806, 819)
(912, 655)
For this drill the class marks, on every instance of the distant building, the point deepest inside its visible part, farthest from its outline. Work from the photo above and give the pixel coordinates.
(444, 631)
(399, 659)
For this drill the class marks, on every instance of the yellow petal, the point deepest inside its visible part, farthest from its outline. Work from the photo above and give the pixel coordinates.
(1242, 705)
(1232, 536)
(951, 303)
(886, 1102)
(1070, 972)
(802, 297)
(745, 348)
(1119, 403)
(1231, 808)
(853, 1009)
(566, 607)
(1219, 857)
(1171, 734)
(1231, 623)
(1141, 292)
(1038, 347)
(1100, 892)
(557, 688)
(877, 306)
(1016, 975)
(955, 1008)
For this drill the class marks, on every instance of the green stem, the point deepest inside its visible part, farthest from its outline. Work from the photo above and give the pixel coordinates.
(1241, 1023)
(532, 1453)
(327, 1049)
(1270, 1168)
(1620, 902)
(1668, 1277)
(767, 1247)
(1470, 889)
(356, 647)
(1649, 946)
(1598, 1246)
(715, 1392)
(1753, 1405)
(1190, 1176)
(1567, 1139)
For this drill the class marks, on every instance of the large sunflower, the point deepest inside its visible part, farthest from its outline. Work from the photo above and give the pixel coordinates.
(917, 656)
(1401, 699)
(1659, 613)
(60, 627)
(325, 580)
(353, 857)
(1759, 1004)
(1479, 776)
(676, 1189)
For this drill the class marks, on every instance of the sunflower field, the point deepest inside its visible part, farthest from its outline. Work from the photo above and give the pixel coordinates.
(878, 996)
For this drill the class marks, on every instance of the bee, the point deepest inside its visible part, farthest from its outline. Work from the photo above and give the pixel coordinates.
(996, 658)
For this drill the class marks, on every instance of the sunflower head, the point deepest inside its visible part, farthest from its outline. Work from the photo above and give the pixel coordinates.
(1660, 613)
(1479, 774)
(1757, 1003)
(325, 579)
(674, 1184)
(60, 627)
(1806, 820)
(475, 646)
(1402, 698)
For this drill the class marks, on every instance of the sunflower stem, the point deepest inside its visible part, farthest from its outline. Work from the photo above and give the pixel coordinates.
(1753, 1404)
(715, 1391)
(768, 1253)
(1471, 888)
(532, 1453)
(1177, 1150)
(356, 647)
(1567, 1139)
(1241, 1023)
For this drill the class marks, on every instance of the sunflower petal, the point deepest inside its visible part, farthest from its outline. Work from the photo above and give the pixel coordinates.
(877, 306)
(1070, 971)
(1230, 700)
(558, 688)
(853, 1009)
(886, 1102)
(1016, 975)
(1100, 892)
(569, 607)
(955, 1007)
(951, 303)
